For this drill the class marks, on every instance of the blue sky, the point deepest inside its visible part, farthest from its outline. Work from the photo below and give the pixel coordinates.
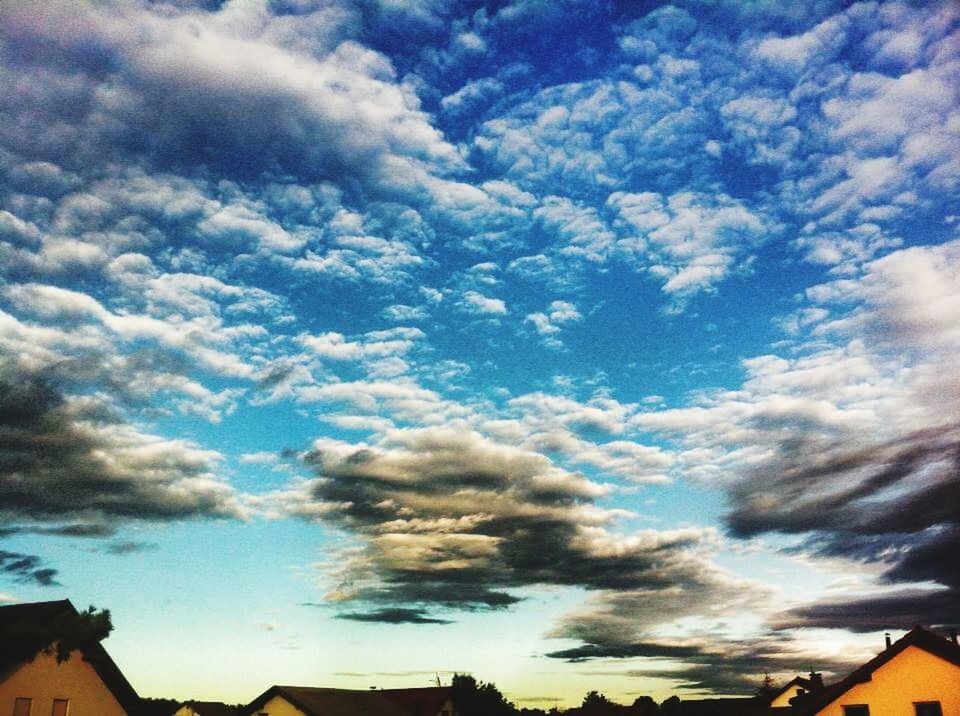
(575, 345)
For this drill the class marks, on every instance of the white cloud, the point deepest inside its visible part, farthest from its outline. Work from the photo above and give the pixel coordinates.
(690, 241)
(477, 303)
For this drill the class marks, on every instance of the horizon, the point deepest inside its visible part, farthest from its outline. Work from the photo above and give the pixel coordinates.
(572, 345)
(97, 626)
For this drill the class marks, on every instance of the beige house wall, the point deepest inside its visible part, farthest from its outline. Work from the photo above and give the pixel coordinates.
(784, 698)
(913, 675)
(44, 680)
(279, 706)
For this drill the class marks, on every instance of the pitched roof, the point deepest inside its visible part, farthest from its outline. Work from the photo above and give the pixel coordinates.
(918, 637)
(36, 612)
(426, 701)
(41, 613)
(801, 682)
(330, 702)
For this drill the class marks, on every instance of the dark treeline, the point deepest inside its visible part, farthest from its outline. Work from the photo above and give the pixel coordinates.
(476, 698)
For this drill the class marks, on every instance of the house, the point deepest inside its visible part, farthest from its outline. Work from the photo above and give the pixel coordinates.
(426, 701)
(918, 675)
(87, 684)
(796, 687)
(309, 701)
(206, 708)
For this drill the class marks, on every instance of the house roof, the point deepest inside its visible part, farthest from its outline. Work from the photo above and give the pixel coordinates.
(425, 701)
(796, 682)
(918, 637)
(330, 702)
(41, 613)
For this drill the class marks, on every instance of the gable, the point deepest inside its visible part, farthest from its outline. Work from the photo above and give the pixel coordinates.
(25, 623)
(44, 680)
(279, 706)
(783, 699)
(911, 676)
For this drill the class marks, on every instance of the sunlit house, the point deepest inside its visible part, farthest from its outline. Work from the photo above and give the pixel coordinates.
(205, 708)
(308, 701)
(918, 675)
(798, 686)
(86, 684)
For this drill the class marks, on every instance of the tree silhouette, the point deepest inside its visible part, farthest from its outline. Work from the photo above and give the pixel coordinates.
(767, 688)
(475, 698)
(595, 700)
(670, 707)
(59, 634)
(645, 706)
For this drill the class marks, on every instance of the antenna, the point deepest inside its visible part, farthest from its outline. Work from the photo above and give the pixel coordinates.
(438, 680)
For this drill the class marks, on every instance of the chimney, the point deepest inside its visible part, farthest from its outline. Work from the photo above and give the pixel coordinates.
(816, 681)
(887, 637)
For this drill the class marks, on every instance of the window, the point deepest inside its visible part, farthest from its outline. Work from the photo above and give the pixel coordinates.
(60, 707)
(928, 708)
(21, 707)
(858, 710)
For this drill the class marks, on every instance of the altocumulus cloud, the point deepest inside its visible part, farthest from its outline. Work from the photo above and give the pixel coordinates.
(447, 518)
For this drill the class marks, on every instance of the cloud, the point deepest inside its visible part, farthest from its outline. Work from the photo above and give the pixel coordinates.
(475, 302)
(692, 240)
(27, 569)
(395, 615)
(882, 612)
(892, 503)
(817, 45)
(680, 584)
(69, 458)
(548, 324)
(472, 95)
(375, 344)
(80, 529)
(851, 444)
(713, 663)
(129, 547)
(400, 398)
(448, 519)
(343, 112)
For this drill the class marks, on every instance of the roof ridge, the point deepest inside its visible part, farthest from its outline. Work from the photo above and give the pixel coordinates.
(918, 636)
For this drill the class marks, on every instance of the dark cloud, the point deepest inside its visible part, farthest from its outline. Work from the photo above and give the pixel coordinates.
(129, 547)
(738, 673)
(396, 615)
(93, 531)
(586, 652)
(910, 606)
(895, 503)
(448, 519)
(624, 624)
(27, 568)
(178, 90)
(62, 459)
(713, 664)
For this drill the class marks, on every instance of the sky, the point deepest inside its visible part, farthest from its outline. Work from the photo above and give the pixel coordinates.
(571, 344)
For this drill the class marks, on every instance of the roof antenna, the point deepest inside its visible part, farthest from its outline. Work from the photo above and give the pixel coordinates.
(438, 680)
